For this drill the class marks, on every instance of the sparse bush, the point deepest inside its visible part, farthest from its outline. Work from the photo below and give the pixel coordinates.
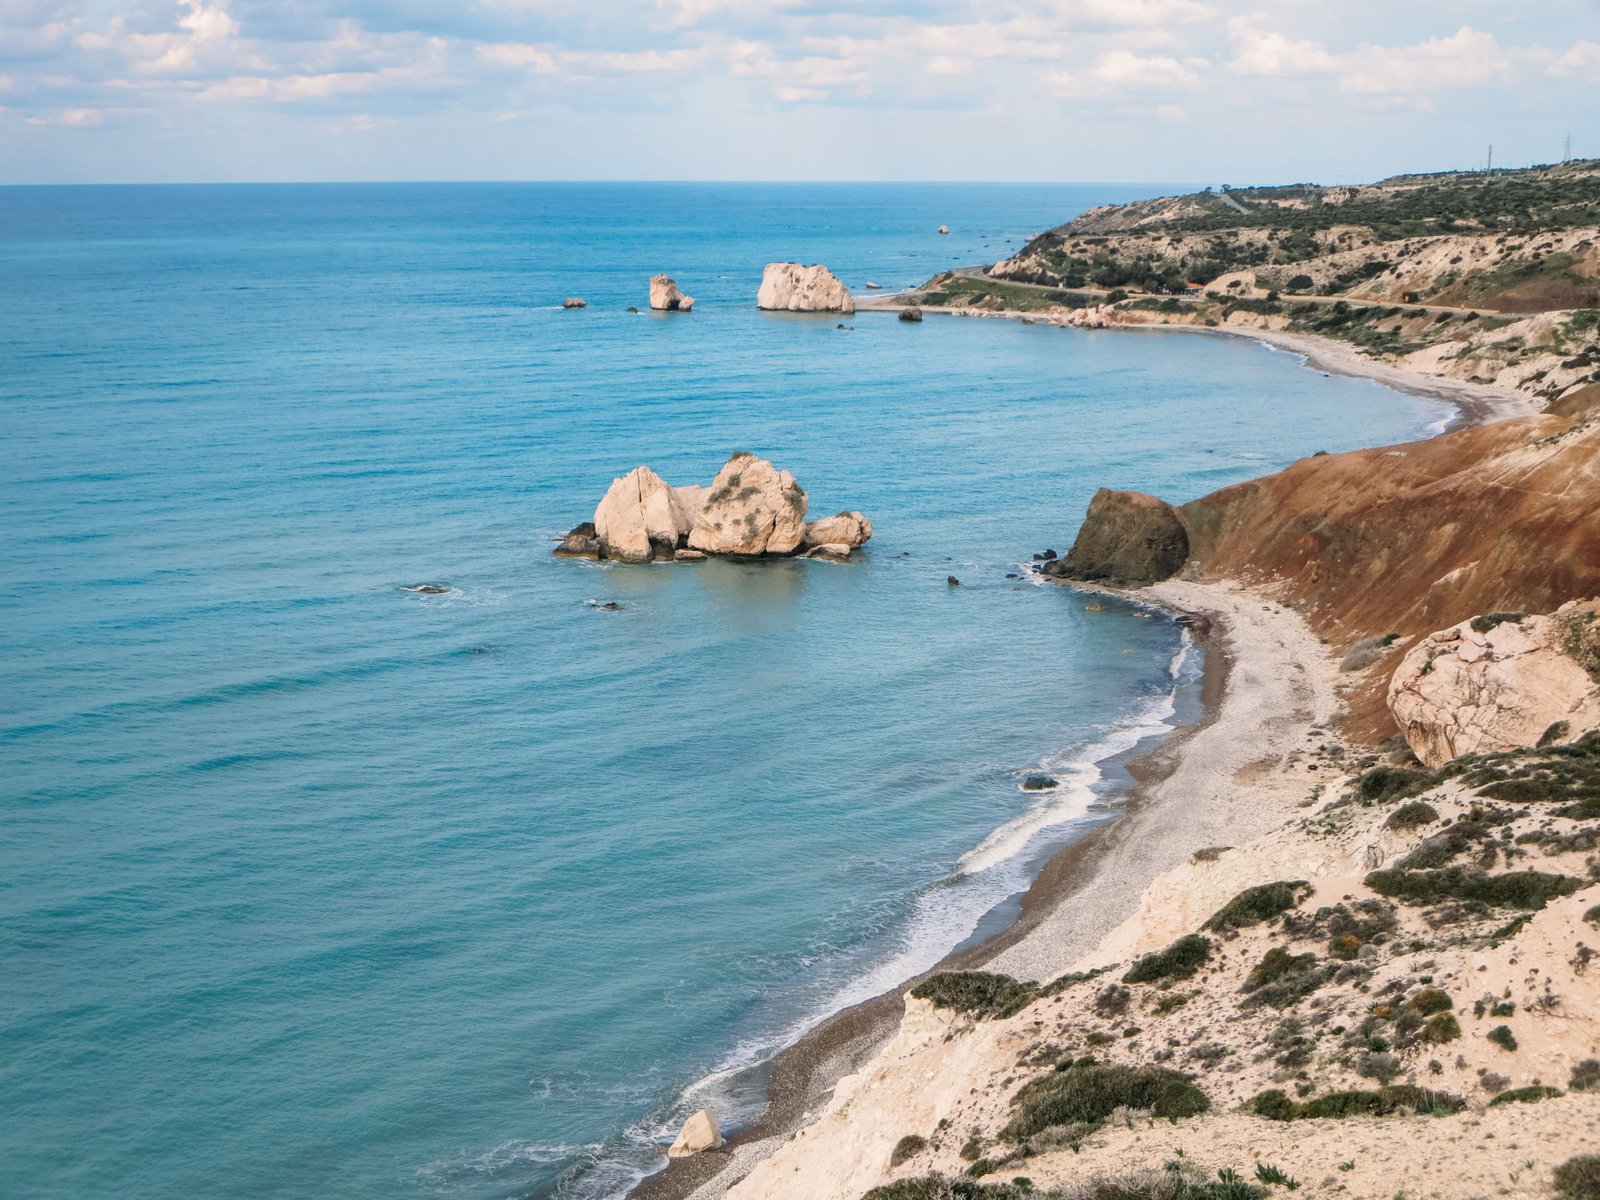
(1524, 1095)
(1586, 1076)
(1344, 947)
(1257, 904)
(978, 994)
(1392, 783)
(1112, 1000)
(1089, 1094)
(1412, 814)
(1516, 889)
(1579, 1178)
(1441, 1027)
(1269, 1174)
(1502, 1036)
(1276, 1106)
(1488, 621)
(1593, 915)
(1181, 960)
(1429, 1001)
(1367, 651)
(907, 1147)
(1282, 979)
(1383, 1067)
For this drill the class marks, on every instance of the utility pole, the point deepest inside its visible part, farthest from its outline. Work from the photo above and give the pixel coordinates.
(1489, 166)
(1566, 149)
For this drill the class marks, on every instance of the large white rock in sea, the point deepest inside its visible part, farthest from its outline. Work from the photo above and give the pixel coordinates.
(699, 1132)
(791, 287)
(665, 296)
(752, 508)
(1498, 682)
(641, 518)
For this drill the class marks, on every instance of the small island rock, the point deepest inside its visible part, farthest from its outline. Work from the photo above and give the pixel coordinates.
(848, 529)
(911, 313)
(574, 302)
(665, 296)
(792, 287)
(700, 1132)
(639, 519)
(752, 508)
(1128, 539)
(581, 542)
(944, 229)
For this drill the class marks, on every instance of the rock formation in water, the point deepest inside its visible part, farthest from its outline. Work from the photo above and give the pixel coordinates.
(791, 287)
(1500, 681)
(574, 302)
(911, 313)
(700, 1132)
(1128, 539)
(752, 509)
(665, 296)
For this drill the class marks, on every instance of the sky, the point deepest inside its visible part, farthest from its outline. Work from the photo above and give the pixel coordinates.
(988, 90)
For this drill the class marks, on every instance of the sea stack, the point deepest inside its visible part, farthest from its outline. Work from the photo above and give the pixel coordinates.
(665, 296)
(911, 313)
(574, 302)
(792, 287)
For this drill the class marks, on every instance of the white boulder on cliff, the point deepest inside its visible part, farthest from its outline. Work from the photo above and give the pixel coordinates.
(1498, 682)
(791, 287)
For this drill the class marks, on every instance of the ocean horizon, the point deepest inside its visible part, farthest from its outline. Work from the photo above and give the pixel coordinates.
(310, 883)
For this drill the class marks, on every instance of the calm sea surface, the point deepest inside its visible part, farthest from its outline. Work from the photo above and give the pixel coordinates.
(312, 886)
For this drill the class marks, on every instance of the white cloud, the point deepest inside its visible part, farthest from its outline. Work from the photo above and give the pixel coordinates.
(1121, 71)
(537, 59)
(1264, 52)
(1467, 58)
(1581, 59)
(1117, 14)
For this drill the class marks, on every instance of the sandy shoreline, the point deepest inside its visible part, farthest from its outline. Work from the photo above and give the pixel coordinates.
(1267, 687)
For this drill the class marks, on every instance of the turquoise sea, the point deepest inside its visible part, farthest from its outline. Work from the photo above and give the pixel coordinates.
(313, 886)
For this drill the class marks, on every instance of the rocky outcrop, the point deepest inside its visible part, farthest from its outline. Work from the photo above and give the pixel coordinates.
(581, 542)
(639, 519)
(752, 508)
(665, 296)
(848, 529)
(1501, 681)
(911, 313)
(700, 1132)
(574, 302)
(791, 287)
(1128, 539)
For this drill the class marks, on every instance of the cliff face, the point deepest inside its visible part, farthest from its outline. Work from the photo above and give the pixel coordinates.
(1412, 538)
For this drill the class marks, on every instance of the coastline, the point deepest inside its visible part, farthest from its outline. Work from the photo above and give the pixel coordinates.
(1475, 403)
(1266, 685)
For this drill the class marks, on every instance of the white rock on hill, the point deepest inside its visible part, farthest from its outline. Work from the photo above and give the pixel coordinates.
(699, 1132)
(752, 508)
(791, 287)
(665, 296)
(1499, 686)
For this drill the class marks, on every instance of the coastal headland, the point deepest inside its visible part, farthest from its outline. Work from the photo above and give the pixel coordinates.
(1300, 959)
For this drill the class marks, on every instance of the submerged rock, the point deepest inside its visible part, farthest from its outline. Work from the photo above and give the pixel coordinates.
(911, 313)
(951, 581)
(837, 551)
(574, 302)
(874, 286)
(699, 1133)
(665, 296)
(1503, 681)
(426, 589)
(792, 287)
(1128, 539)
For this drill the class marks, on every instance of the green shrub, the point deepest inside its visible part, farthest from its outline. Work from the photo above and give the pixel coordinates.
(1270, 1174)
(1502, 1036)
(1429, 1001)
(1282, 979)
(1515, 889)
(1441, 1027)
(1392, 783)
(1412, 814)
(909, 1146)
(936, 1187)
(1344, 947)
(1586, 1076)
(1181, 960)
(1524, 1095)
(1257, 904)
(978, 994)
(1277, 1106)
(1088, 1094)
(1489, 621)
(1593, 915)
(1579, 1178)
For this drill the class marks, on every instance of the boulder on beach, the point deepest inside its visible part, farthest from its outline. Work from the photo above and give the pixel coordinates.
(792, 287)
(700, 1132)
(1128, 539)
(752, 508)
(574, 302)
(911, 313)
(1500, 681)
(665, 296)
(848, 529)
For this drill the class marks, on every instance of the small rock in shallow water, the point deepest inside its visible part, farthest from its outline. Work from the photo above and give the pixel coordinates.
(604, 605)
(1040, 783)
(574, 302)
(952, 581)
(699, 1132)
(426, 589)
(911, 313)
